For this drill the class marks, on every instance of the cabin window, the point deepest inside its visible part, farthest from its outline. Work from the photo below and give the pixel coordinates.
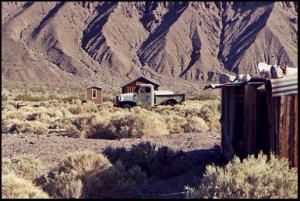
(94, 94)
(148, 89)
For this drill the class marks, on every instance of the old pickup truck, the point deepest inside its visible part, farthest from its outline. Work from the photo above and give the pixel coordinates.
(145, 95)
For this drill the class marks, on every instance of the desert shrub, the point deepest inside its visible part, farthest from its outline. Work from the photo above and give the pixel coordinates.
(14, 128)
(116, 182)
(73, 132)
(161, 162)
(71, 99)
(62, 183)
(254, 177)
(175, 123)
(135, 124)
(90, 107)
(3, 97)
(68, 179)
(25, 166)
(14, 187)
(27, 97)
(36, 127)
(16, 114)
(86, 162)
(77, 109)
(195, 124)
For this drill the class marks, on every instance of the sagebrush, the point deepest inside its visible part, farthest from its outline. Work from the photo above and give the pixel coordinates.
(255, 177)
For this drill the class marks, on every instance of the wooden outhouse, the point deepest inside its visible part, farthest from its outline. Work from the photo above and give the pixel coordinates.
(130, 87)
(94, 94)
(260, 115)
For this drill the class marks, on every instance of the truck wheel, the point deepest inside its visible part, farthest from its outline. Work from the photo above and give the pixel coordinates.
(126, 106)
(172, 103)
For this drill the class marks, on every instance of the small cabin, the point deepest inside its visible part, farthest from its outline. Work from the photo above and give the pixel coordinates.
(260, 115)
(94, 94)
(131, 86)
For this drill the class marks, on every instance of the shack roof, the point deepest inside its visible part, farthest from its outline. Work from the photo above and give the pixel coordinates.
(97, 87)
(287, 85)
(143, 78)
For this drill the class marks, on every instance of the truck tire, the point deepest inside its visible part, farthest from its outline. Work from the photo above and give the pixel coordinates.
(126, 106)
(170, 102)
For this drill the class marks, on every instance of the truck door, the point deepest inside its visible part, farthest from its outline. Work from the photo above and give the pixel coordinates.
(145, 95)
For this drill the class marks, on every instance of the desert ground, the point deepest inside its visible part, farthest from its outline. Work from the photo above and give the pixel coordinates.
(199, 150)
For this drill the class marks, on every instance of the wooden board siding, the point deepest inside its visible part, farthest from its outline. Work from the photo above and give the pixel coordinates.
(132, 86)
(227, 121)
(262, 123)
(253, 120)
(294, 129)
(249, 143)
(288, 128)
(98, 100)
(272, 116)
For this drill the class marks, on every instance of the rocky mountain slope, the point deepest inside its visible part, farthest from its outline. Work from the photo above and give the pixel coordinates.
(182, 45)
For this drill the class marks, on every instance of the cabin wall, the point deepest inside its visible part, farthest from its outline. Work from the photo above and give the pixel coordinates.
(253, 121)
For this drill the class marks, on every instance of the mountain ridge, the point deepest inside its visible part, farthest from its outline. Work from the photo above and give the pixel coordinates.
(183, 45)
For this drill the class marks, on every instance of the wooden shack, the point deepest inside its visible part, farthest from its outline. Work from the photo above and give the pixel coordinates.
(130, 87)
(260, 115)
(94, 94)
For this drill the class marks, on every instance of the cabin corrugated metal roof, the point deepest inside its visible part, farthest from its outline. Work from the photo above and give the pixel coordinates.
(287, 85)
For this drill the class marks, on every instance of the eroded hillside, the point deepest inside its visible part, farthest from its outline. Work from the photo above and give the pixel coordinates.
(179, 44)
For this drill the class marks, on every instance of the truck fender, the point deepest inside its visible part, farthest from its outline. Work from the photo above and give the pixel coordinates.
(128, 104)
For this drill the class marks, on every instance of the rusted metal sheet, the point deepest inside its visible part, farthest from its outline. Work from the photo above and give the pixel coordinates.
(285, 86)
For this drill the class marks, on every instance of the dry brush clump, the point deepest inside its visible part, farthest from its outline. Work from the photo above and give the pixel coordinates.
(18, 174)
(161, 162)
(67, 180)
(14, 187)
(25, 166)
(85, 174)
(116, 182)
(255, 177)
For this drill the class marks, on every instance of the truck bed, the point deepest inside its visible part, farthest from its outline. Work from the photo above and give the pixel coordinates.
(160, 99)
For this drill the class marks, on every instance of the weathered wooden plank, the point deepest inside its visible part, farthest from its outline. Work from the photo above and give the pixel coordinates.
(295, 130)
(231, 119)
(57, 130)
(292, 130)
(250, 120)
(227, 122)
(284, 127)
(271, 117)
